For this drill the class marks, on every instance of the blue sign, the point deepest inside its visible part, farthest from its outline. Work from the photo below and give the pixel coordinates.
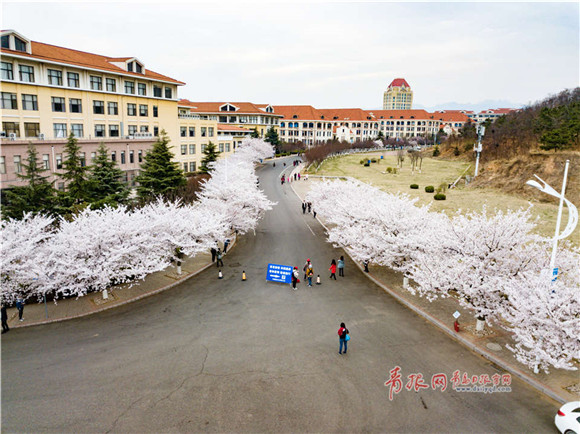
(279, 273)
(554, 274)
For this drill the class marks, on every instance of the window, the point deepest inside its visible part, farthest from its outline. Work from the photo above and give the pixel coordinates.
(157, 91)
(99, 130)
(11, 128)
(60, 186)
(123, 159)
(130, 66)
(112, 108)
(130, 87)
(142, 89)
(167, 92)
(140, 156)
(58, 104)
(183, 149)
(185, 167)
(77, 130)
(221, 145)
(227, 147)
(93, 157)
(113, 130)
(26, 73)
(183, 131)
(132, 129)
(192, 149)
(31, 129)
(223, 119)
(2, 165)
(143, 110)
(7, 72)
(82, 159)
(73, 79)
(9, 101)
(99, 107)
(156, 131)
(59, 130)
(144, 128)
(19, 44)
(6, 41)
(59, 161)
(131, 157)
(192, 166)
(75, 105)
(210, 131)
(203, 132)
(203, 148)
(17, 164)
(155, 111)
(232, 120)
(111, 85)
(55, 77)
(96, 83)
(191, 131)
(131, 109)
(113, 156)
(138, 68)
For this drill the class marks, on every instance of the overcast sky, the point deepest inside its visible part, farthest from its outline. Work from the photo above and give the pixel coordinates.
(328, 54)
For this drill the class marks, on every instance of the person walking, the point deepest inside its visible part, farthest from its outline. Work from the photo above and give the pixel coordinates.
(310, 274)
(5, 328)
(219, 257)
(213, 253)
(341, 266)
(303, 207)
(20, 307)
(306, 265)
(309, 207)
(295, 279)
(332, 269)
(314, 212)
(342, 338)
(295, 175)
(298, 177)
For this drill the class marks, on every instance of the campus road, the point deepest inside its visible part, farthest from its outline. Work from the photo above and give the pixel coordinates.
(231, 356)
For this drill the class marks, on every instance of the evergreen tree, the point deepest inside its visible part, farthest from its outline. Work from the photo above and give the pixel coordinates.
(105, 184)
(273, 138)
(74, 172)
(380, 136)
(159, 174)
(255, 134)
(37, 197)
(211, 155)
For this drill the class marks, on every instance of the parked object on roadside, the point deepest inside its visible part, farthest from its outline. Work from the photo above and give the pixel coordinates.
(567, 419)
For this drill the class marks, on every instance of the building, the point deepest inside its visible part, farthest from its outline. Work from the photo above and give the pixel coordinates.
(50, 91)
(398, 95)
(492, 114)
(396, 124)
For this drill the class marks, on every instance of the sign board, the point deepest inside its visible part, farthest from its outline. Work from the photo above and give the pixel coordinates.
(554, 274)
(279, 273)
(456, 315)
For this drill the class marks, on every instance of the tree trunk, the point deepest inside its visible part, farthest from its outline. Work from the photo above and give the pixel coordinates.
(480, 324)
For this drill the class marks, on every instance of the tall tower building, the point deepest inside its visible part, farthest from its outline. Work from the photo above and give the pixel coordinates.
(398, 95)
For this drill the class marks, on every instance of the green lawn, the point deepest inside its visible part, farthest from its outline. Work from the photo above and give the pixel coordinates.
(436, 172)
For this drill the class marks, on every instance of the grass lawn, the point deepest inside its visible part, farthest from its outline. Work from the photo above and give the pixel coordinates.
(436, 172)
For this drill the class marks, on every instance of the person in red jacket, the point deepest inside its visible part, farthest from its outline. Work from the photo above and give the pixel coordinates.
(342, 335)
(332, 269)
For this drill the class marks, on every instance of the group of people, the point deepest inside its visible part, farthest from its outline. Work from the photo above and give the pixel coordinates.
(308, 206)
(218, 254)
(308, 270)
(19, 306)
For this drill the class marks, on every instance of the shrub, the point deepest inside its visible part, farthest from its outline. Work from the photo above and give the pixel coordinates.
(468, 147)
(439, 196)
(362, 162)
(389, 170)
(429, 189)
(366, 164)
(456, 151)
(414, 186)
(436, 151)
(374, 160)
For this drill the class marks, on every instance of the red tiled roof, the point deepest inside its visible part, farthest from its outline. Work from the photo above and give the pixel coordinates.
(348, 114)
(54, 53)
(305, 112)
(398, 114)
(451, 117)
(398, 82)
(214, 107)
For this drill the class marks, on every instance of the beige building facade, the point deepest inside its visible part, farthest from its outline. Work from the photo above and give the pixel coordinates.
(398, 95)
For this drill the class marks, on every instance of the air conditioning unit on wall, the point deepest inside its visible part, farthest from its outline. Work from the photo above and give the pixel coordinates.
(41, 136)
(12, 136)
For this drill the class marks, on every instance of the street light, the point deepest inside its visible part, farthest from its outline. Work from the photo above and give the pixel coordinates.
(572, 214)
(477, 147)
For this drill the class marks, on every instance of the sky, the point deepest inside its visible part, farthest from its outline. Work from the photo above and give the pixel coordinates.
(328, 54)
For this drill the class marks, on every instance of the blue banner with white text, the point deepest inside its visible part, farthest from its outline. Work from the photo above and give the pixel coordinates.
(279, 273)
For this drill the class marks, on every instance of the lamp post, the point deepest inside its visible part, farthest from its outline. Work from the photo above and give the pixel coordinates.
(477, 147)
(572, 214)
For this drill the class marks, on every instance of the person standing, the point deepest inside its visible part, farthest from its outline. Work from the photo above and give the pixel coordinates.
(226, 244)
(219, 257)
(310, 274)
(341, 266)
(295, 175)
(342, 334)
(306, 265)
(303, 207)
(5, 328)
(298, 177)
(213, 253)
(295, 278)
(366, 265)
(332, 269)
(309, 207)
(20, 307)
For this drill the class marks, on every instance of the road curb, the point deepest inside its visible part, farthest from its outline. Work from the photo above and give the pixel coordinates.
(113, 306)
(504, 365)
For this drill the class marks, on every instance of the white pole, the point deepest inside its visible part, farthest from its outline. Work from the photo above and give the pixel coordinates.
(476, 164)
(557, 233)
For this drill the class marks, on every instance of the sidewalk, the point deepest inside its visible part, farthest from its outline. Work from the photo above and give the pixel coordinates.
(39, 313)
(561, 385)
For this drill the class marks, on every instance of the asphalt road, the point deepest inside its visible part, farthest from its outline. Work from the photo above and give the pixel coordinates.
(231, 356)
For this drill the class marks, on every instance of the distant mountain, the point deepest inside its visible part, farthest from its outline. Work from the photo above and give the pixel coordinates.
(477, 107)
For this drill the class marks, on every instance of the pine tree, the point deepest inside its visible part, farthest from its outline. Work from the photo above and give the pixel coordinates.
(211, 155)
(74, 172)
(255, 134)
(37, 197)
(273, 138)
(105, 185)
(159, 174)
(380, 136)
